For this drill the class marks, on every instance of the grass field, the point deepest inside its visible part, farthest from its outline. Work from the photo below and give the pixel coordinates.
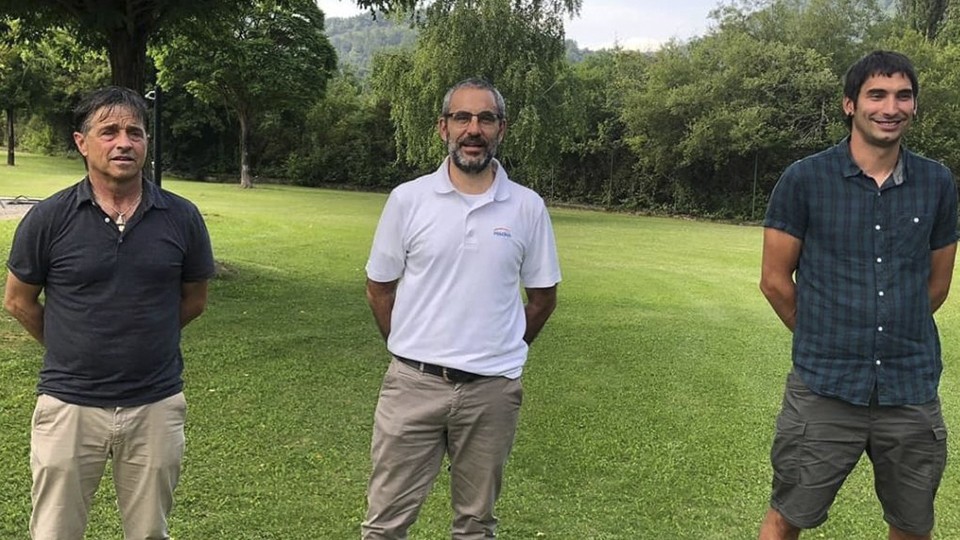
(649, 403)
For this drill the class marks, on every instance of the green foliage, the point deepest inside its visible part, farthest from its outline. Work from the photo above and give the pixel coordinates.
(926, 17)
(715, 120)
(700, 127)
(597, 167)
(199, 140)
(266, 65)
(358, 38)
(348, 140)
(938, 103)
(42, 76)
(22, 76)
(839, 30)
(712, 110)
(518, 46)
(122, 28)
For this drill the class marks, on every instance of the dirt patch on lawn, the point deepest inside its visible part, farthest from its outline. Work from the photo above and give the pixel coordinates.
(15, 207)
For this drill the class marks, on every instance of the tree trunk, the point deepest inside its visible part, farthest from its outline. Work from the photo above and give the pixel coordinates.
(128, 58)
(10, 141)
(246, 181)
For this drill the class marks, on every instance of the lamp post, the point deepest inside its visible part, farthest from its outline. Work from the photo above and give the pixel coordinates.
(156, 96)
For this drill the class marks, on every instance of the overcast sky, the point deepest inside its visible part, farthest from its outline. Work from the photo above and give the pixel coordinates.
(634, 24)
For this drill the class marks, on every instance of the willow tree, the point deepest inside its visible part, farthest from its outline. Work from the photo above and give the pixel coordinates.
(518, 45)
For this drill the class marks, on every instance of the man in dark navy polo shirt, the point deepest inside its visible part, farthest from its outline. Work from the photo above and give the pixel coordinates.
(123, 266)
(858, 253)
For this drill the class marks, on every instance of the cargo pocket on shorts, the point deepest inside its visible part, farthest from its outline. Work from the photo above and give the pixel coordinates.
(933, 457)
(788, 443)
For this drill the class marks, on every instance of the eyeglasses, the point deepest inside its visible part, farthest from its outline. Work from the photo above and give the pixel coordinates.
(486, 119)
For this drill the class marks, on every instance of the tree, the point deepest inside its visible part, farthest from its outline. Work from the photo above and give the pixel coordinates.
(933, 132)
(718, 118)
(714, 111)
(347, 140)
(597, 166)
(515, 44)
(927, 17)
(23, 78)
(122, 27)
(839, 30)
(266, 59)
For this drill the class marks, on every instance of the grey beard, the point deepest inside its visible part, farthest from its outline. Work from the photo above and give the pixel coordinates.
(471, 167)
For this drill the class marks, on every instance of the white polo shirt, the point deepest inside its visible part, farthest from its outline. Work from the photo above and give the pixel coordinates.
(461, 262)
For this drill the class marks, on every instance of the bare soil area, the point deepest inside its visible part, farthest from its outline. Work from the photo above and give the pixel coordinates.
(13, 209)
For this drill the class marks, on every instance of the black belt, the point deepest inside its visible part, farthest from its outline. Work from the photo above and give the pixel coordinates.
(446, 373)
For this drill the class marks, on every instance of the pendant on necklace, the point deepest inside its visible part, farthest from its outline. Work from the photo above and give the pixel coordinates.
(121, 223)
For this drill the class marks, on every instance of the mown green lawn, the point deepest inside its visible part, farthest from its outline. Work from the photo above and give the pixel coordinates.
(650, 396)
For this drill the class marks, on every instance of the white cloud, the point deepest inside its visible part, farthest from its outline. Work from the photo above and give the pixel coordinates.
(339, 8)
(638, 24)
(633, 24)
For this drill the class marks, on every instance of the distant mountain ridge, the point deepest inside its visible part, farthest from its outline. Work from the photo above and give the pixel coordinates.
(357, 38)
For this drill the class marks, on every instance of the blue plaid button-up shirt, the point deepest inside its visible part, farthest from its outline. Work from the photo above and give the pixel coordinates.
(863, 312)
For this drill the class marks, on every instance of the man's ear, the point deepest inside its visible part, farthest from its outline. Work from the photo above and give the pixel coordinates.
(848, 107)
(80, 141)
(442, 128)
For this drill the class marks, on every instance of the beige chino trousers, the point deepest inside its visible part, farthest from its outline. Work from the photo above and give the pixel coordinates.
(69, 449)
(419, 418)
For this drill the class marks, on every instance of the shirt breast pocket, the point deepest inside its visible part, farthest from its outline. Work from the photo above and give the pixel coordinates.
(913, 234)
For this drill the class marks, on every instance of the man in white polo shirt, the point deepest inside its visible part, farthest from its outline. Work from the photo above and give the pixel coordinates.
(449, 257)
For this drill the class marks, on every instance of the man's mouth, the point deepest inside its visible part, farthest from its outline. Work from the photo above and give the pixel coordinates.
(889, 123)
(473, 146)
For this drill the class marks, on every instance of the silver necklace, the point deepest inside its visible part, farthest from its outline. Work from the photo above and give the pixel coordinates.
(121, 220)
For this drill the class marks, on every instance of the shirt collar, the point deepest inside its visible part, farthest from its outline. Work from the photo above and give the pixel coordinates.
(850, 167)
(152, 196)
(499, 188)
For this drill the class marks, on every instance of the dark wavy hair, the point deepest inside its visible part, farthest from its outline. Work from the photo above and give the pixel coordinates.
(109, 98)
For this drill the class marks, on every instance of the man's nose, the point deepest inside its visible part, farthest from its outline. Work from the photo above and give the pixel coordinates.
(124, 140)
(890, 106)
(474, 125)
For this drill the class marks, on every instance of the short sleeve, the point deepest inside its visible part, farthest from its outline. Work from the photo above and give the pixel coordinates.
(787, 209)
(388, 253)
(540, 267)
(29, 258)
(198, 263)
(944, 230)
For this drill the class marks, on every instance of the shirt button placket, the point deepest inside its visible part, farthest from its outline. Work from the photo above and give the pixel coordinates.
(880, 270)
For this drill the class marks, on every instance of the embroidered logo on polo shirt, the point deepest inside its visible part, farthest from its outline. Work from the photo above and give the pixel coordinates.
(503, 232)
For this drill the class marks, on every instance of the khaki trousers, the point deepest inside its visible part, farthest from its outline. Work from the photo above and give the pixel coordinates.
(419, 418)
(69, 449)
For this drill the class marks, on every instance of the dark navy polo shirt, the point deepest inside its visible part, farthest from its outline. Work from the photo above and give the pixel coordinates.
(863, 310)
(111, 300)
